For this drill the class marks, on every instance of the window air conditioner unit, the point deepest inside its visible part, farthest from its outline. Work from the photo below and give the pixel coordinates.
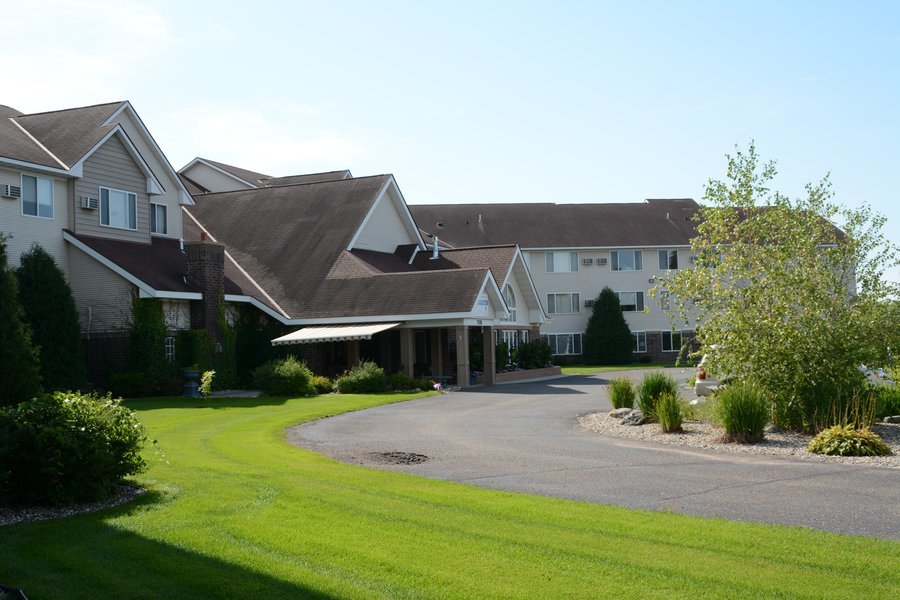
(12, 191)
(90, 203)
(601, 261)
(587, 261)
(588, 303)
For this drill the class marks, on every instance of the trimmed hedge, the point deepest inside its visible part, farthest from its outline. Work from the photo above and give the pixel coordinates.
(284, 377)
(365, 378)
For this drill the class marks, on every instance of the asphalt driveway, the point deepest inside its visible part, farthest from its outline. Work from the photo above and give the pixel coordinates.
(525, 438)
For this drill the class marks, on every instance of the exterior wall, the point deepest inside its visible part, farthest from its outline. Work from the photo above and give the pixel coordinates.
(112, 166)
(102, 297)
(24, 230)
(589, 280)
(521, 306)
(213, 180)
(385, 229)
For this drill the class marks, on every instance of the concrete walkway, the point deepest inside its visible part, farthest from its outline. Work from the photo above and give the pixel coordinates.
(524, 438)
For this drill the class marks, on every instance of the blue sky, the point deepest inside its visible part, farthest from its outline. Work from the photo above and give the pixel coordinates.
(489, 101)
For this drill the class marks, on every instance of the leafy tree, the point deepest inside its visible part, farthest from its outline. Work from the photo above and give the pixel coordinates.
(49, 308)
(19, 364)
(607, 339)
(782, 297)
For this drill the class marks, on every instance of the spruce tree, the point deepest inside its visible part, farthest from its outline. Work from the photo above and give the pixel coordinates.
(19, 366)
(607, 339)
(49, 308)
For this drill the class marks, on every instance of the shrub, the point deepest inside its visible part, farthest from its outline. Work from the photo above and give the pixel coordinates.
(19, 364)
(63, 448)
(502, 356)
(743, 412)
(534, 355)
(887, 401)
(621, 393)
(653, 386)
(668, 412)
(424, 384)
(206, 383)
(365, 378)
(284, 377)
(607, 338)
(844, 440)
(322, 384)
(401, 382)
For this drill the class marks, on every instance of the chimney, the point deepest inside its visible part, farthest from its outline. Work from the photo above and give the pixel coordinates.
(206, 272)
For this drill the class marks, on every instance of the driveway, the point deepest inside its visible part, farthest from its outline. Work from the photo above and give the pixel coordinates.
(524, 438)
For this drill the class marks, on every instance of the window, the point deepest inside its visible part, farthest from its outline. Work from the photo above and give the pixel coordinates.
(628, 260)
(170, 349)
(158, 223)
(510, 297)
(668, 260)
(666, 300)
(671, 341)
(560, 304)
(561, 262)
(37, 196)
(118, 209)
(640, 340)
(631, 301)
(565, 343)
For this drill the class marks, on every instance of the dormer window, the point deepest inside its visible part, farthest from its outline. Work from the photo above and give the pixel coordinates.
(158, 219)
(118, 209)
(37, 196)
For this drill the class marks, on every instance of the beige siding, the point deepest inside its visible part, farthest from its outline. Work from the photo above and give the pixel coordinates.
(24, 230)
(177, 314)
(213, 180)
(385, 229)
(112, 166)
(102, 297)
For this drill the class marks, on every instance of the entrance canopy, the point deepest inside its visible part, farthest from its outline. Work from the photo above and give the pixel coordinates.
(333, 333)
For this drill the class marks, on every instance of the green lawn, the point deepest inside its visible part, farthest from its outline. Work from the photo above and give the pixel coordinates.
(591, 369)
(234, 512)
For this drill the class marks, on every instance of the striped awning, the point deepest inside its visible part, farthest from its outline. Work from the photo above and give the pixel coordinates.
(332, 333)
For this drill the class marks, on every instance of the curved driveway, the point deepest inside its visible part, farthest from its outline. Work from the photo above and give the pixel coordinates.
(524, 438)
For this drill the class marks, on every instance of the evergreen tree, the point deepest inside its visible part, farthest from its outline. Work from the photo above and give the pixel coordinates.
(607, 339)
(19, 365)
(49, 308)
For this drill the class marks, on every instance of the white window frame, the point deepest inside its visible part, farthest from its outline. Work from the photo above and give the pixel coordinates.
(616, 265)
(550, 262)
(128, 196)
(170, 348)
(154, 219)
(639, 303)
(665, 258)
(575, 346)
(666, 300)
(640, 341)
(671, 335)
(509, 296)
(37, 196)
(575, 299)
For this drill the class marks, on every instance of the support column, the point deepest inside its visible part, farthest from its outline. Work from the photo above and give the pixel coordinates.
(437, 360)
(462, 356)
(407, 351)
(352, 353)
(490, 356)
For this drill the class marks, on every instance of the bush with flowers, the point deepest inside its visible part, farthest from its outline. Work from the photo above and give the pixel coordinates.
(63, 448)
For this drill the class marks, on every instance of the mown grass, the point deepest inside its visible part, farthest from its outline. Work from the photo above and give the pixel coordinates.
(580, 369)
(236, 512)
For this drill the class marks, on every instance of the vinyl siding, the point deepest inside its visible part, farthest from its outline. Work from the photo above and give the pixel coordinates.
(112, 166)
(24, 230)
(213, 180)
(102, 297)
(385, 229)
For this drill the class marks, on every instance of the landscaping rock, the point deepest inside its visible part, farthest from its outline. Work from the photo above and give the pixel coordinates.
(620, 413)
(635, 417)
(771, 428)
(894, 419)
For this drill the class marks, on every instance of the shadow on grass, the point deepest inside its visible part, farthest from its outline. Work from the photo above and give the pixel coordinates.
(85, 557)
(165, 402)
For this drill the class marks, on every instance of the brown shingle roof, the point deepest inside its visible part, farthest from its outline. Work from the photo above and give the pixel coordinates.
(245, 174)
(69, 133)
(310, 178)
(548, 225)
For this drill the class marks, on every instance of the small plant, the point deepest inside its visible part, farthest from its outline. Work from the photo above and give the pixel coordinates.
(887, 401)
(63, 448)
(653, 386)
(284, 377)
(621, 393)
(365, 378)
(844, 440)
(206, 383)
(743, 412)
(323, 384)
(668, 412)
(401, 382)
(426, 385)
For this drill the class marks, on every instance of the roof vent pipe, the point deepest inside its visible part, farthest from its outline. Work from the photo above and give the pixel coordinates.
(434, 249)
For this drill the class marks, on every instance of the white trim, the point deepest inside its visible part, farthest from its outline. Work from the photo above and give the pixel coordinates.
(409, 222)
(573, 334)
(238, 266)
(632, 250)
(521, 257)
(100, 206)
(219, 169)
(23, 164)
(600, 248)
(645, 350)
(569, 252)
(680, 332)
(332, 333)
(37, 143)
(132, 151)
(643, 300)
(145, 290)
(577, 305)
(37, 203)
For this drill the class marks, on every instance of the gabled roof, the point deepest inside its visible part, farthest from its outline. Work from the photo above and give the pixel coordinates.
(310, 178)
(550, 225)
(251, 177)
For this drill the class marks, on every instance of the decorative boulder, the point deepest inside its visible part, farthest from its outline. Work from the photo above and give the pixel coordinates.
(619, 413)
(635, 417)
